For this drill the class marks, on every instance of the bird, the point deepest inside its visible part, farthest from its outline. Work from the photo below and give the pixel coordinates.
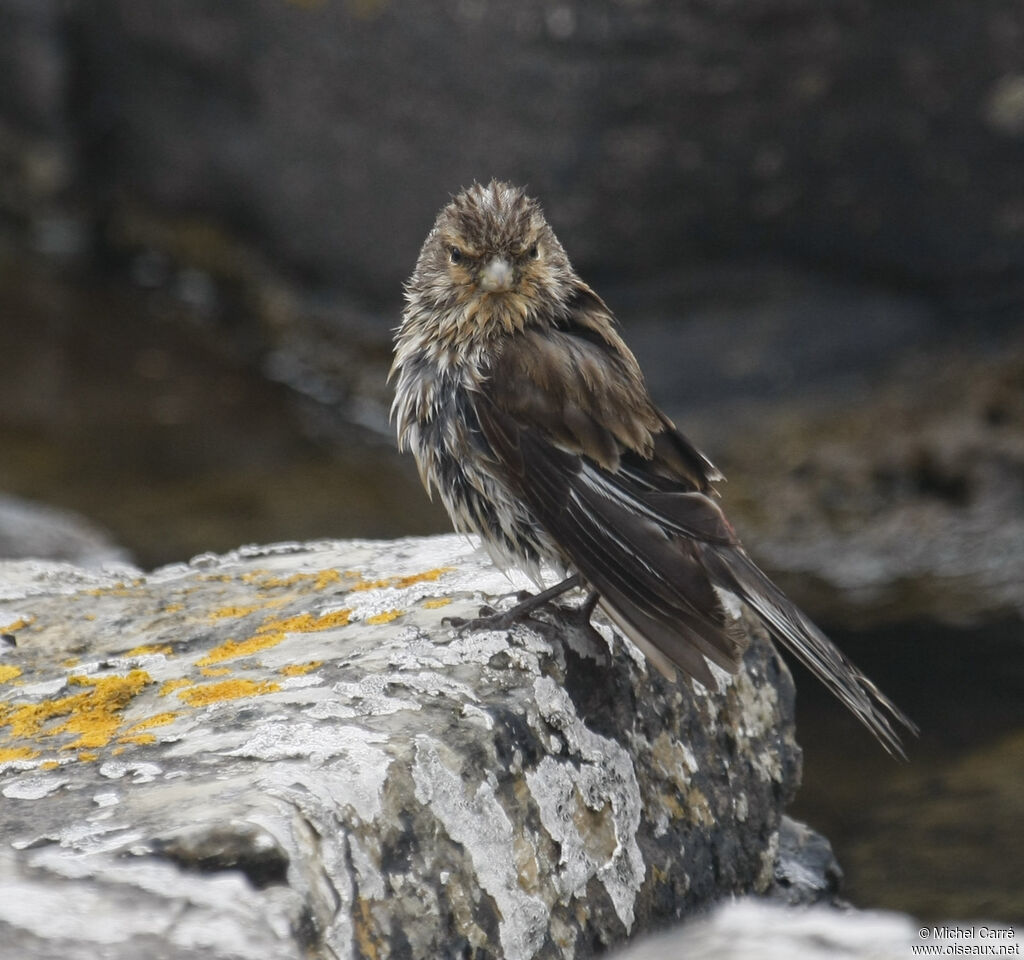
(530, 418)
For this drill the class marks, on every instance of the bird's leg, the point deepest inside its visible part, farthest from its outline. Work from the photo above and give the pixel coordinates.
(587, 609)
(580, 616)
(522, 610)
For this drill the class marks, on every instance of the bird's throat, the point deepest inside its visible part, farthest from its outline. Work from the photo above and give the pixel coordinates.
(491, 314)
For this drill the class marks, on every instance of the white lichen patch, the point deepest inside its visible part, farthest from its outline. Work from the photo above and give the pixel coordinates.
(139, 772)
(359, 769)
(32, 788)
(367, 697)
(415, 650)
(478, 822)
(600, 773)
(330, 710)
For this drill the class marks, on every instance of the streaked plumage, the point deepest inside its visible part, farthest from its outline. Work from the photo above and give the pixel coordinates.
(529, 416)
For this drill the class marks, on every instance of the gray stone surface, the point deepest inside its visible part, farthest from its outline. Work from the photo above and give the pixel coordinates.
(39, 531)
(806, 869)
(284, 752)
(748, 929)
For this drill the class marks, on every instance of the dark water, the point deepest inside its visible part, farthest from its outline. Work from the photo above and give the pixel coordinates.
(118, 405)
(942, 835)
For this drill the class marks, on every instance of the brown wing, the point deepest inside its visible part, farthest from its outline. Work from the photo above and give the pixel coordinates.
(625, 496)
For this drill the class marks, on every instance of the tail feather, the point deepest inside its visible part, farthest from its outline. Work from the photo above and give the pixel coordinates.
(731, 569)
(655, 555)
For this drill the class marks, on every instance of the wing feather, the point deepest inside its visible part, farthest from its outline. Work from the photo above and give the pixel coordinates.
(627, 500)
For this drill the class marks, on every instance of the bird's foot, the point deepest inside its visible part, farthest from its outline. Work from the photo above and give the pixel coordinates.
(579, 618)
(491, 619)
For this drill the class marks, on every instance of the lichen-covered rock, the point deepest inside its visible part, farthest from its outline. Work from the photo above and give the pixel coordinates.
(749, 928)
(286, 752)
(806, 870)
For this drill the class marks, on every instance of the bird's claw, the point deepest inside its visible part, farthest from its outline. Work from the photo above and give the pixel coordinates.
(489, 619)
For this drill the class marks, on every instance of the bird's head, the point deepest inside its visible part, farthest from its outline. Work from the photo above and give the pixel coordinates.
(491, 264)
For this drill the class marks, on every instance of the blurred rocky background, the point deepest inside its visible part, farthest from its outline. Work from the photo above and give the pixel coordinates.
(809, 218)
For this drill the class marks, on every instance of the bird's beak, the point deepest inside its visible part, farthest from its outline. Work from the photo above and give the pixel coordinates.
(496, 277)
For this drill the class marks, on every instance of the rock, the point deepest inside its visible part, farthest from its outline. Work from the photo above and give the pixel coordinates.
(806, 870)
(900, 505)
(39, 531)
(751, 928)
(284, 752)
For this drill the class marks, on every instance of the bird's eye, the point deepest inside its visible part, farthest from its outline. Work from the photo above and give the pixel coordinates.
(454, 254)
(534, 252)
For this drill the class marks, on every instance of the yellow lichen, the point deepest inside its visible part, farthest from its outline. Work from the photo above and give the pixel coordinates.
(87, 756)
(307, 623)
(49, 765)
(318, 580)
(18, 624)
(325, 578)
(157, 720)
(273, 631)
(117, 589)
(331, 577)
(9, 672)
(233, 611)
(148, 648)
(141, 738)
(298, 669)
(253, 575)
(401, 582)
(271, 583)
(215, 671)
(169, 686)
(201, 696)
(173, 608)
(426, 576)
(7, 754)
(94, 715)
(434, 602)
(386, 617)
(230, 649)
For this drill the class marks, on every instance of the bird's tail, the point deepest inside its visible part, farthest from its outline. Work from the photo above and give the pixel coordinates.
(731, 569)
